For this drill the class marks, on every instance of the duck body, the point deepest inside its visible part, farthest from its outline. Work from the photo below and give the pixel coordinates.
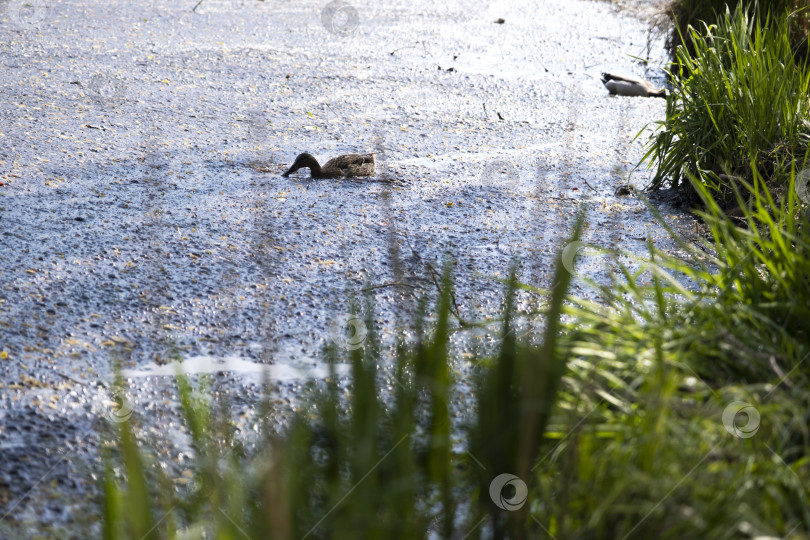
(628, 85)
(346, 166)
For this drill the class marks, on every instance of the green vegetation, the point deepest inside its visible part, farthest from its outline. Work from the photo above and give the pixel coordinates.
(740, 93)
(615, 423)
(682, 14)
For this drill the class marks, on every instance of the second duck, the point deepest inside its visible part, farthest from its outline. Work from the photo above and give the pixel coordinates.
(627, 85)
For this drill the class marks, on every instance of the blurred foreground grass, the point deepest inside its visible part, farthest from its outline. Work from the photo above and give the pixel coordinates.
(678, 406)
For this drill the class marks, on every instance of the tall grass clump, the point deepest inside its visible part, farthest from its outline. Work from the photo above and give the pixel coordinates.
(740, 94)
(727, 321)
(746, 316)
(681, 14)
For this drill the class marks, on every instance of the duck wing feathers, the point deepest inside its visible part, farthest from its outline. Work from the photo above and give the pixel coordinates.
(351, 165)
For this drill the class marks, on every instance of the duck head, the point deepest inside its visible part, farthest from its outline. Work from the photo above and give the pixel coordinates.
(303, 161)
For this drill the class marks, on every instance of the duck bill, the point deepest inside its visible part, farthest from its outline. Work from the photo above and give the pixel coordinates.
(288, 171)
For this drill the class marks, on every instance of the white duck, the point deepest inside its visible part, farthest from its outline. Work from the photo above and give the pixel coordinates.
(628, 85)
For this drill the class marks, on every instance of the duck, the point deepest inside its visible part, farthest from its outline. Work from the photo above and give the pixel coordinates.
(628, 85)
(345, 166)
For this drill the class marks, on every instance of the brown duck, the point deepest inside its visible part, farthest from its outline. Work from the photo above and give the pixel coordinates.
(346, 166)
(627, 85)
